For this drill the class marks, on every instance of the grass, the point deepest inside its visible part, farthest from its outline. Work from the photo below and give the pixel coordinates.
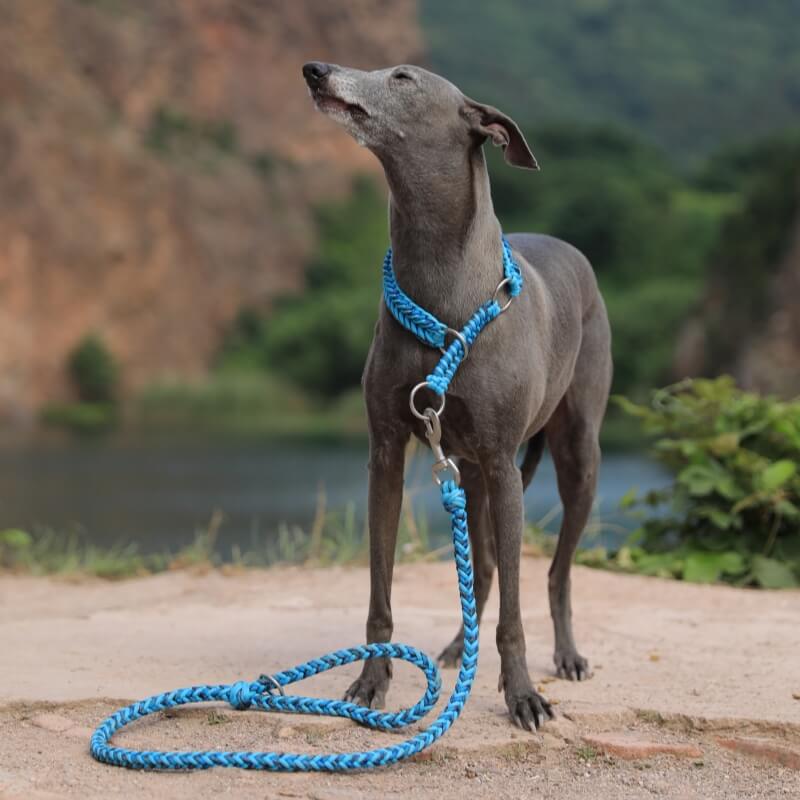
(333, 538)
(85, 419)
(586, 752)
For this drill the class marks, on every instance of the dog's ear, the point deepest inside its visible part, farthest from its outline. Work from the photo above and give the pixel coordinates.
(487, 121)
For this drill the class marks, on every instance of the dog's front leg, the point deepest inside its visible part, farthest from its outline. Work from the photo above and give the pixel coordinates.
(528, 709)
(386, 462)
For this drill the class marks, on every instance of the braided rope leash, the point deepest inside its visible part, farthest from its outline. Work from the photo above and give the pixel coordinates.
(260, 694)
(267, 693)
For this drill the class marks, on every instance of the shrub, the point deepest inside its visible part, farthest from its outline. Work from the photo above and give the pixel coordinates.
(93, 371)
(732, 511)
(319, 340)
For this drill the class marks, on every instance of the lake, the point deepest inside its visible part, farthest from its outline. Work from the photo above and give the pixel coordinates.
(159, 493)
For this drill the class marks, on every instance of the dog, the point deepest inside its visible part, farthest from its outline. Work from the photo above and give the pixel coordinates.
(540, 373)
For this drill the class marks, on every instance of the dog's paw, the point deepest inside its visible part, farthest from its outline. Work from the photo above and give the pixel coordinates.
(368, 691)
(529, 709)
(571, 666)
(450, 657)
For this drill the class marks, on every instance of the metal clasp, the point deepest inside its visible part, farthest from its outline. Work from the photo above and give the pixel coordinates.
(269, 683)
(442, 463)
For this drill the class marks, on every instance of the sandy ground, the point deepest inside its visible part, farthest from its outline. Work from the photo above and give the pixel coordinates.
(674, 664)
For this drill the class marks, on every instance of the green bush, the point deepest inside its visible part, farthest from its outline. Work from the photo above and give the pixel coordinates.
(319, 340)
(732, 511)
(93, 371)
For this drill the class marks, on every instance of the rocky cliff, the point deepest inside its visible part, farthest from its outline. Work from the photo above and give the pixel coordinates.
(158, 165)
(748, 322)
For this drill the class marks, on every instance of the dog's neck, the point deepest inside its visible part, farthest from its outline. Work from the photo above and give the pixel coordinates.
(445, 235)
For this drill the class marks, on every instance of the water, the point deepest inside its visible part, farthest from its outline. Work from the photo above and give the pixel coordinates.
(158, 494)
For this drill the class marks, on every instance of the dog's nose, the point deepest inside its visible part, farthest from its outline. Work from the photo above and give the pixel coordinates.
(315, 73)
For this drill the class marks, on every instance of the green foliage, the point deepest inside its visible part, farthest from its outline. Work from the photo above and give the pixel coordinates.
(733, 510)
(13, 543)
(320, 339)
(93, 371)
(665, 69)
(94, 374)
(85, 419)
(241, 398)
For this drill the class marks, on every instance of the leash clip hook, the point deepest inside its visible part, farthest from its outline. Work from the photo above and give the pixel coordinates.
(442, 463)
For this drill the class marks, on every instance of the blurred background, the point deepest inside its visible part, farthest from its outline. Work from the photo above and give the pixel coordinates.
(190, 254)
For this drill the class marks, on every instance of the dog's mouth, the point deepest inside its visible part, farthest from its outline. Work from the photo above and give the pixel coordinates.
(330, 104)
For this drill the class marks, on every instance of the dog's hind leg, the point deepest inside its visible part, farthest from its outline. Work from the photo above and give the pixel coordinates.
(481, 536)
(572, 437)
(482, 543)
(527, 707)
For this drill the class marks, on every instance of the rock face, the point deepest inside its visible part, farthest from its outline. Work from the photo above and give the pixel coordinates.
(771, 360)
(762, 349)
(159, 162)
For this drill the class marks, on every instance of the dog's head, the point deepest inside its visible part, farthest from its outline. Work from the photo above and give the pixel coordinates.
(409, 110)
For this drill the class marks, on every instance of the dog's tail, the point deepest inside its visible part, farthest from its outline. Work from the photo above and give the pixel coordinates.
(533, 455)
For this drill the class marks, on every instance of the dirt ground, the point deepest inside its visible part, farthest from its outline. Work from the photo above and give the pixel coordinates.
(708, 673)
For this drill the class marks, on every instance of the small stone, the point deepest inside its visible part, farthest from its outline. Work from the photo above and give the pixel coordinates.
(470, 772)
(631, 746)
(764, 749)
(655, 657)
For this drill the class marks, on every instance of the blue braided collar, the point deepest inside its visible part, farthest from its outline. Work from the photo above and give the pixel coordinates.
(422, 323)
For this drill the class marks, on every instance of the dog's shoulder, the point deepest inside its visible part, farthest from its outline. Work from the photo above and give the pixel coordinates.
(559, 264)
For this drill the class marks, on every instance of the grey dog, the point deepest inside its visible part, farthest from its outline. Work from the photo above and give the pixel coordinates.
(541, 371)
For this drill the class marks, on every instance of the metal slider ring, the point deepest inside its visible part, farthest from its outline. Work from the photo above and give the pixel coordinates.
(503, 283)
(461, 338)
(414, 411)
(266, 680)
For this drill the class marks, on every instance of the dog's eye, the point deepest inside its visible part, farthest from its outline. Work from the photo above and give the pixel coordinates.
(402, 75)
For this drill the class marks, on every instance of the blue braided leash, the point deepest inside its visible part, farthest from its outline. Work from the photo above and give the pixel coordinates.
(266, 693)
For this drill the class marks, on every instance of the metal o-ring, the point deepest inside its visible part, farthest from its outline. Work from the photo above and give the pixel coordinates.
(461, 338)
(503, 283)
(413, 408)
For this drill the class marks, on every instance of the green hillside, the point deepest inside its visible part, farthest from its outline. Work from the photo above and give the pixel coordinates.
(688, 75)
